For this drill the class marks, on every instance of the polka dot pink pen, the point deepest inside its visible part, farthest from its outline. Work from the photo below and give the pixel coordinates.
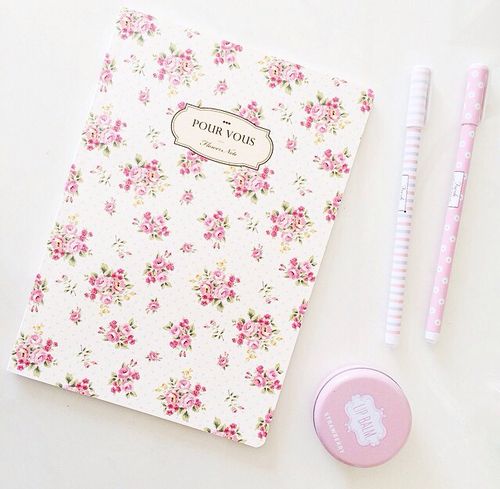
(477, 79)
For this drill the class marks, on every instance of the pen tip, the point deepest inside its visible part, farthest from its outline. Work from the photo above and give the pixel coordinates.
(431, 337)
(392, 340)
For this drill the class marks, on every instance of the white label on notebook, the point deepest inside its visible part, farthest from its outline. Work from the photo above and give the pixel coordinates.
(222, 136)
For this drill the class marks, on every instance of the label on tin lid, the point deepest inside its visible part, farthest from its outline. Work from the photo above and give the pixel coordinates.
(365, 420)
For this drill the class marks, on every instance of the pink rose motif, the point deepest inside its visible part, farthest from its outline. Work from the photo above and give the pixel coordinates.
(181, 335)
(187, 248)
(124, 372)
(221, 87)
(36, 296)
(75, 315)
(266, 379)
(175, 330)
(291, 144)
(71, 187)
(38, 357)
(186, 341)
(223, 360)
(143, 96)
(110, 206)
(158, 263)
(153, 356)
(215, 226)
(112, 336)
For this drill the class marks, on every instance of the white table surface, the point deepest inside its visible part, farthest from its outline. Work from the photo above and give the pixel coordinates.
(50, 56)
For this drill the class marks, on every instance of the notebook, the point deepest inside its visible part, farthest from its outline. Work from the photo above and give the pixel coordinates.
(193, 222)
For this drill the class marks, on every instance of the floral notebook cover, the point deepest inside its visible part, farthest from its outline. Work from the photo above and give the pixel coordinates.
(194, 218)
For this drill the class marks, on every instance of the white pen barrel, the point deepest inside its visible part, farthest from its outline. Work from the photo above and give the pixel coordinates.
(417, 108)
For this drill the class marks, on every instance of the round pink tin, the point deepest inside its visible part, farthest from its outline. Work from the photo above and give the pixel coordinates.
(361, 416)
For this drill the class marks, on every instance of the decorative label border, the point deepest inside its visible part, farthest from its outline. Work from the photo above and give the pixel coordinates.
(231, 115)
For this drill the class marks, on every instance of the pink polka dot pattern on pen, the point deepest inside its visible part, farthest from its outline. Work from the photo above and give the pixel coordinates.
(477, 78)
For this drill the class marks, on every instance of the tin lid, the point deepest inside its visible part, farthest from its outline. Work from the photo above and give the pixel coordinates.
(361, 416)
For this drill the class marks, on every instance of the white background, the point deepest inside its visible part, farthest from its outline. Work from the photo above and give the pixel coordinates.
(50, 58)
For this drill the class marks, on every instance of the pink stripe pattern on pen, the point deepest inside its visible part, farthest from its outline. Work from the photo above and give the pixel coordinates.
(417, 108)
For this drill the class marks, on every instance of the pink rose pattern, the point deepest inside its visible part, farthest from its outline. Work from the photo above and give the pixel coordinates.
(124, 379)
(182, 335)
(251, 112)
(136, 25)
(297, 315)
(108, 287)
(324, 116)
(67, 242)
(332, 207)
(223, 360)
(256, 332)
(334, 163)
(191, 164)
(221, 87)
(177, 68)
(110, 206)
(120, 335)
(366, 99)
(225, 52)
(153, 356)
(324, 121)
(181, 397)
(80, 386)
(267, 380)
(143, 178)
(158, 271)
(102, 132)
(186, 197)
(215, 227)
(38, 293)
(216, 287)
(291, 144)
(263, 424)
(187, 248)
(153, 306)
(231, 431)
(301, 272)
(257, 252)
(153, 226)
(143, 96)
(290, 224)
(280, 73)
(71, 187)
(106, 78)
(75, 316)
(34, 352)
(250, 183)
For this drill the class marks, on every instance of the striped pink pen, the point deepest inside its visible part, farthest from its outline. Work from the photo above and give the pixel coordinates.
(477, 80)
(415, 120)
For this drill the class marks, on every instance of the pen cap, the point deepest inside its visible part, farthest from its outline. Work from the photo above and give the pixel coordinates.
(477, 80)
(419, 96)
